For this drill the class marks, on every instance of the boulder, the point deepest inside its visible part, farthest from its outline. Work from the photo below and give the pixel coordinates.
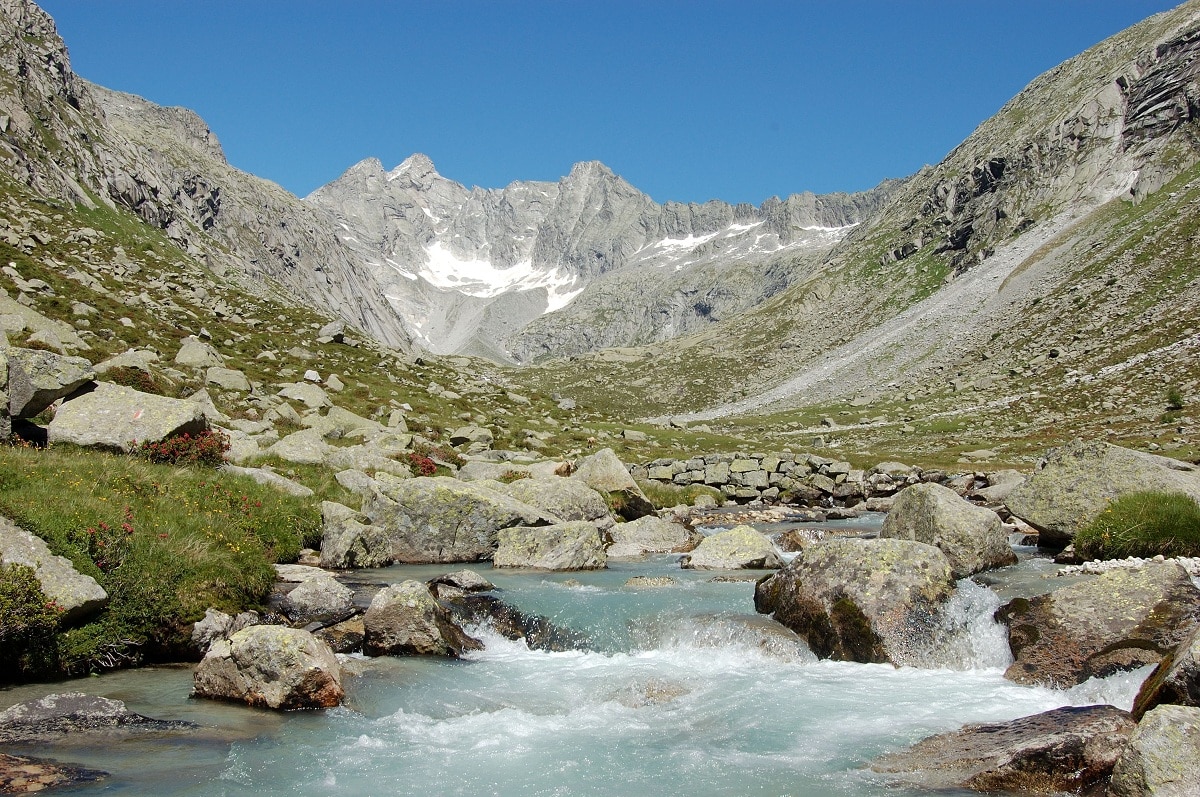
(440, 519)
(1120, 620)
(740, 548)
(1000, 485)
(1078, 480)
(1069, 749)
(60, 716)
(5, 418)
(566, 499)
(270, 478)
(860, 600)
(120, 418)
(344, 637)
(1175, 680)
(27, 775)
(472, 434)
(305, 447)
(140, 359)
(972, 538)
(270, 666)
(36, 379)
(318, 600)
(650, 534)
(606, 474)
(218, 625)
(195, 353)
(538, 632)
(564, 546)
(405, 619)
(308, 394)
(78, 595)
(458, 583)
(227, 379)
(348, 540)
(1163, 756)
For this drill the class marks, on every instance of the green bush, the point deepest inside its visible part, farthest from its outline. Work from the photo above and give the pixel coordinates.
(28, 622)
(136, 378)
(1143, 524)
(203, 448)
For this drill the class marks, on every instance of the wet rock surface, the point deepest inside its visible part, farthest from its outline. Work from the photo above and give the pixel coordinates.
(56, 717)
(26, 775)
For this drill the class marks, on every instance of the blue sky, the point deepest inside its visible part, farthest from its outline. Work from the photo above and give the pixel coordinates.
(688, 101)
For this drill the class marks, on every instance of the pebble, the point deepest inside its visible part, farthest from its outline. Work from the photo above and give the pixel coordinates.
(1096, 567)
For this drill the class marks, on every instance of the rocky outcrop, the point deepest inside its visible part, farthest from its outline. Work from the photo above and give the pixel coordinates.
(566, 499)
(348, 541)
(74, 714)
(740, 548)
(606, 474)
(270, 666)
(1077, 481)
(36, 379)
(564, 546)
(860, 600)
(439, 519)
(971, 537)
(117, 418)
(1176, 679)
(1162, 758)
(405, 619)
(648, 535)
(78, 595)
(1121, 620)
(1069, 749)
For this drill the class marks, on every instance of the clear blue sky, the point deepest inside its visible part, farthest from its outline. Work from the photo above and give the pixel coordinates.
(688, 101)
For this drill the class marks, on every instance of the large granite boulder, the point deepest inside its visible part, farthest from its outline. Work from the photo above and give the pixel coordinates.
(860, 600)
(405, 619)
(1120, 620)
(563, 546)
(69, 715)
(270, 666)
(348, 540)
(740, 548)
(972, 537)
(195, 353)
(216, 624)
(439, 519)
(650, 534)
(119, 418)
(305, 447)
(321, 600)
(605, 473)
(1078, 480)
(1163, 756)
(77, 594)
(1069, 749)
(36, 379)
(1175, 680)
(566, 499)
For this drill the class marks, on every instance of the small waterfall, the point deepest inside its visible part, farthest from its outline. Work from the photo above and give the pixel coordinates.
(966, 635)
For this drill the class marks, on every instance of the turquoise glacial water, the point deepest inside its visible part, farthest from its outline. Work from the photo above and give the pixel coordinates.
(685, 692)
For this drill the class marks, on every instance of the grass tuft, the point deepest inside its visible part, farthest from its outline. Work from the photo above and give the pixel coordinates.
(1143, 524)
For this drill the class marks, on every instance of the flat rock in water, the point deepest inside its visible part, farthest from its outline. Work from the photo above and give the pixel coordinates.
(740, 548)
(1120, 620)
(564, 546)
(651, 534)
(1065, 750)
(55, 717)
(26, 775)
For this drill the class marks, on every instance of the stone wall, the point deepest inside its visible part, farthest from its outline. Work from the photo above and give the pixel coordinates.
(805, 479)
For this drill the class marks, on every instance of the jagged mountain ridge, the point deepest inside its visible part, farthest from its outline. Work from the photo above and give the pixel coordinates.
(471, 269)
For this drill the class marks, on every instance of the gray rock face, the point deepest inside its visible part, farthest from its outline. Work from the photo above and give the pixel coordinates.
(971, 537)
(650, 534)
(79, 596)
(1163, 756)
(268, 477)
(740, 548)
(195, 353)
(270, 666)
(439, 519)
(318, 600)
(219, 625)
(348, 541)
(563, 546)
(36, 379)
(1079, 480)
(404, 619)
(1120, 620)
(604, 473)
(55, 717)
(564, 498)
(860, 600)
(1176, 679)
(118, 418)
(227, 379)
(1069, 749)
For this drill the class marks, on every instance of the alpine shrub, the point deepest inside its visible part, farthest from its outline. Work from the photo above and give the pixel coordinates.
(203, 448)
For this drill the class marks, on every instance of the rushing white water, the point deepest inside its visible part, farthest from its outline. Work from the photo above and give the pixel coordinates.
(684, 692)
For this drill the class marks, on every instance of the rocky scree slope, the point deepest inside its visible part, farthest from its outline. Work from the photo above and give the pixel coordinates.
(69, 140)
(1051, 251)
(574, 265)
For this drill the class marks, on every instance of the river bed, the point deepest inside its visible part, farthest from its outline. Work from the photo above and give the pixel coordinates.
(684, 691)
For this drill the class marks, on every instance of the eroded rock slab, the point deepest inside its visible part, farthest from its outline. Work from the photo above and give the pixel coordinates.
(55, 717)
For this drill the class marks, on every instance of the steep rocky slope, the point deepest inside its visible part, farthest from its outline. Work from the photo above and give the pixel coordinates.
(490, 271)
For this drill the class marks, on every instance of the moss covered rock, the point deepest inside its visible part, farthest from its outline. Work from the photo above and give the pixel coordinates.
(564, 546)
(971, 537)
(740, 548)
(270, 666)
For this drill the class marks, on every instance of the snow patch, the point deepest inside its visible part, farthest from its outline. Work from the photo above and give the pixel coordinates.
(478, 277)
